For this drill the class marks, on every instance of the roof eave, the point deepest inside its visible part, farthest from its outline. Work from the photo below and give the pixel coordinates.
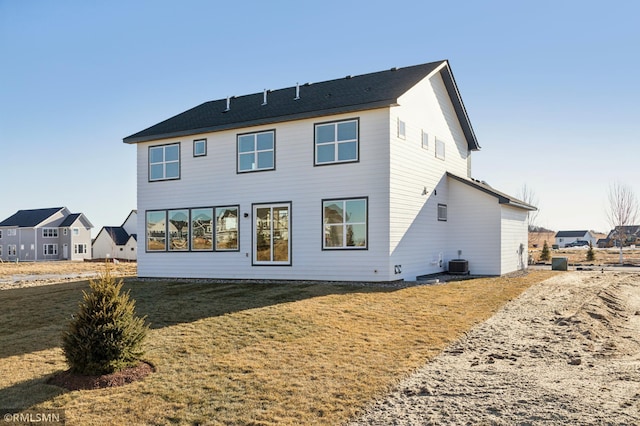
(269, 120)
(458, 105)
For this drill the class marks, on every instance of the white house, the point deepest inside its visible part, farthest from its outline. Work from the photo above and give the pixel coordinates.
(362, 178)
(117, 242)
(567, 237)
(45, 234)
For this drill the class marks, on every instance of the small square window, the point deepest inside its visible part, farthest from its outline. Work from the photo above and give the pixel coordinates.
(199, 148)
(402, 129)
(439, 149)
(442, 212)
(425, 140)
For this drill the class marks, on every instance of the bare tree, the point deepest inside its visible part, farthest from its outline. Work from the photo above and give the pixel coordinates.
(623, 211)
(528, 195)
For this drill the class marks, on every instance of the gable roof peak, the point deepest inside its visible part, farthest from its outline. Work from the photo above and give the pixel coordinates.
(343, 95)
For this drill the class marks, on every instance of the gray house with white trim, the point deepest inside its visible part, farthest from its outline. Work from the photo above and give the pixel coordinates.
(361, 178)
(45, 234)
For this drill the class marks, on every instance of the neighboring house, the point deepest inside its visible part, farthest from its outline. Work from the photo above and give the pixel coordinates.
(117, 242)
(566, 237)
(631, 236)
(363, 178)
(45, 234)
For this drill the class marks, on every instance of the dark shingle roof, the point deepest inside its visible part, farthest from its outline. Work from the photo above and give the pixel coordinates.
(118, 234)
(570, 234)
(68, 221)
(29, 218)
(348, 94)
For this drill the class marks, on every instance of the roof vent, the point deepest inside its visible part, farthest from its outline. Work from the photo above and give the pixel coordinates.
(228, 104)
(264, 97)
(348, 77)
(394, 69)
(297, 92)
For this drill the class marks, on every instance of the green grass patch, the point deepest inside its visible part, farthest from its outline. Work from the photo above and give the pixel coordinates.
(251, 354)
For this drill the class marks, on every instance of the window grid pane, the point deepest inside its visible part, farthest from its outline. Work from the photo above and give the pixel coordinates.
(336, 142)
(256, 152)
(345, 224)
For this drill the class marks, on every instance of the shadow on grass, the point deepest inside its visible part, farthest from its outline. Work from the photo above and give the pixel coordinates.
(24, 395)
(33, 318)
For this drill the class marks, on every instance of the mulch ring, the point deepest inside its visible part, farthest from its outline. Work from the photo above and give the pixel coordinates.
(73, 381)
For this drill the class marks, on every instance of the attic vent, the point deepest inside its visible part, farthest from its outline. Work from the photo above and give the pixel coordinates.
(264, 97)
(297, 92)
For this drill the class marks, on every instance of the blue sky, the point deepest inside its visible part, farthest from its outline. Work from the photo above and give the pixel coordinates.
(551, 87)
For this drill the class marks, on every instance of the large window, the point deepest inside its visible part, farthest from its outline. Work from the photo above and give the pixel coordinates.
(336, 142)
(11, 232)
(164, 162)
(227, 228)
(256, 151)
(50, 232)
(202, 229)
(157, 231)
(80, 248)
(271, 242)
(11, 250)
(50, 249)
(345, 223)
(179, 230)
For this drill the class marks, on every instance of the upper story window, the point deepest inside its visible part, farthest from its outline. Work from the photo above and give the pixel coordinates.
(336, 142)
(256, 151)
(50, 232)
(442, 212)
(76, 231)
(345, 223)
(0, 233)
(425, 140)
(65, 231)
(164, 162)
(199, 148)
(11, 232)
(402, 129)
(440, 149)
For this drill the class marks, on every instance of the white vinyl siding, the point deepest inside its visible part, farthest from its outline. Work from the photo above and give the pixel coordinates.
(214, 181)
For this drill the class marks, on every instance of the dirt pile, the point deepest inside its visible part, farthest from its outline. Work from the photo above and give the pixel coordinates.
(566, 352)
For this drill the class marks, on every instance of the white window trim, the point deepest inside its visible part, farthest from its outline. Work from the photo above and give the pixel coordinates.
(12, 232)
(49, 232)
(425, 140)
(11, 250)
(402, 129)
(440, 150)
(77, 246)
(54, 248)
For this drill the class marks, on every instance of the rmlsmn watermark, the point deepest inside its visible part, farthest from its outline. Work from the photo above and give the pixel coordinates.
(16, 416)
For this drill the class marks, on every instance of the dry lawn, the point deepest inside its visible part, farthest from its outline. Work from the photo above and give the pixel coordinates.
(604, 257)
(248, 354)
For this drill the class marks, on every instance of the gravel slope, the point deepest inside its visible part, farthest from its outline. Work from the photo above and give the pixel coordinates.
(566, 352)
